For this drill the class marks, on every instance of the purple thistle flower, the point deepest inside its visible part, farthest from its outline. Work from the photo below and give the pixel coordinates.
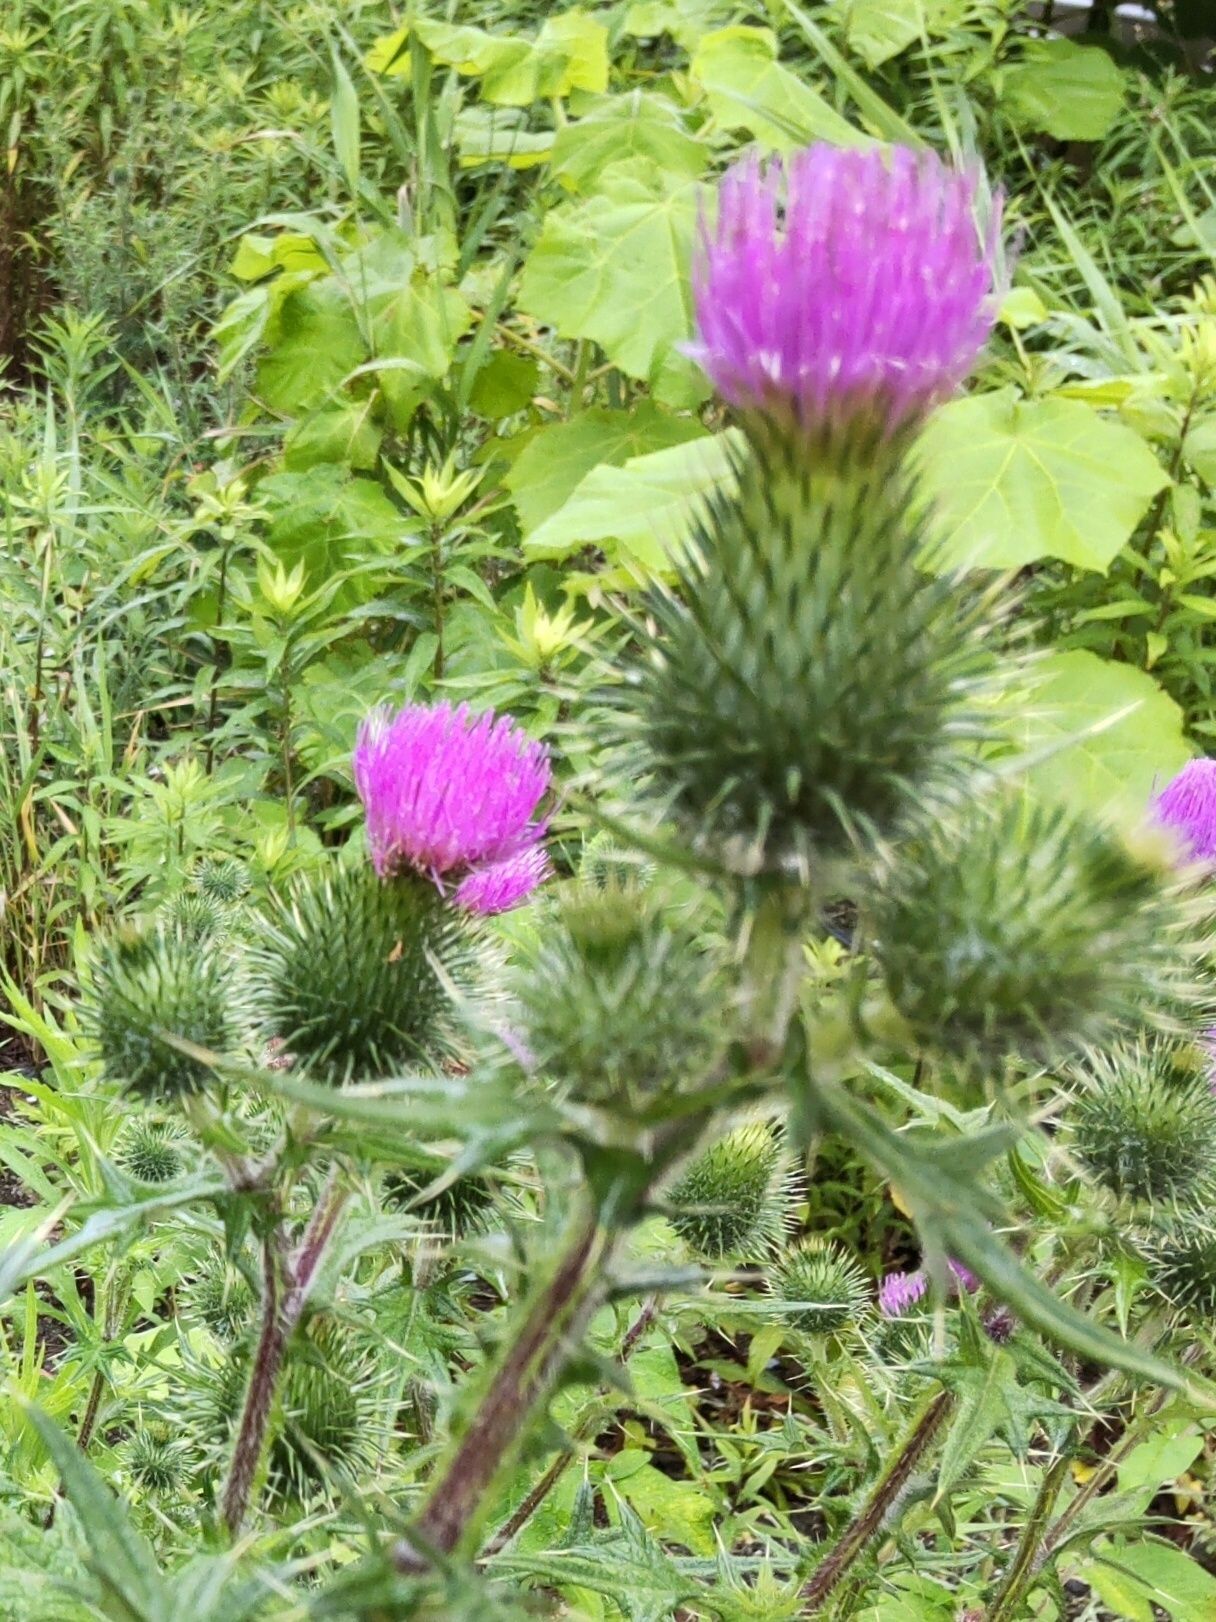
(448, 792)
(1187, 805)
(499, 886)
(844, 283)
(899, 1291)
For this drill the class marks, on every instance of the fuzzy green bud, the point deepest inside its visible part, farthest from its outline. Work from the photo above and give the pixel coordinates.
(222, 1298)
(157, 1460)
(150, 987)
(1182, 1264)
(1015, 928)
(733, 1200)
(807, 682)
(825, 1288)
(1145, 1126)
(345, 973)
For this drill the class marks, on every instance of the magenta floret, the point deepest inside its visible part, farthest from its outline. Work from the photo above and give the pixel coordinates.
(1187, 805)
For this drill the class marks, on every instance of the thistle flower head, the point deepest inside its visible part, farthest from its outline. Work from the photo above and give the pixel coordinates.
(149, 989)
(843, 285)
(899, 1292)
(463, 1207)
(1182, 1263)
(1187, 806)
(824, 1287)
(152, 1149)
(448, 792)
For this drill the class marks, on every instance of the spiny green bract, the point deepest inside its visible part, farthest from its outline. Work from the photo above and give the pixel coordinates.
(344, 973)
(826, 1288)
(619, 999)
(152, 1149)
(325, 1417)
(461, 1208)
(733, 1200)
(158, 984)
(807, 681)
(1145, 1126)
(1020, 929)
(1182, 1263)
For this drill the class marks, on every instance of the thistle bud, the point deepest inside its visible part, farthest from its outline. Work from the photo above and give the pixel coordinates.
(826, 1289)
(1182, 1263)
(152, 1149)
(157, 1460)
(222, 1298)
(733, 1201)
(620, 1000)
(345, 972)
(463, 1207)
(196, 916)
(1145, 1125)
(804, 683)
(154, 986)
(222, 879)
(1020, 929)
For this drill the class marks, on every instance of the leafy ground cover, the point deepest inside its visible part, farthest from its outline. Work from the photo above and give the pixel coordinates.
(346, 364)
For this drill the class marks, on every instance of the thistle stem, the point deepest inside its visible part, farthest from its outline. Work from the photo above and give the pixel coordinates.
(1025, 1565)
(877, 1510)
(285, 1287)
(535, 1356)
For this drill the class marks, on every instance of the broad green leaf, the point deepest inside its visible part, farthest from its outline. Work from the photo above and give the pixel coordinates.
(312, 345)
(486, 135)
(421, 324)
(570, 52)
(748, 89)
(638, 512)
(1100, 735)
(341, 434)
(1168, 1576)
(614, 267)
(880, 29)
(329, 521)
(554, 462)
(637, 125)
(1069, 91)
(504, 385)
(1199, 448)
(1163, 1458)
(1016, 480)
(666, 1507)
(687, 21)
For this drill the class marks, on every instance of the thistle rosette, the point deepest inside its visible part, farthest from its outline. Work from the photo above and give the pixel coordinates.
(844, 292)
(1022, 929)
(453, 797)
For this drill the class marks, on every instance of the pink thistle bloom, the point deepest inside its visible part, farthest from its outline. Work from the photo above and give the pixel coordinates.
(899, 1291)
(1187, 805)
(499, 886)
(450, 793)
(844, 283)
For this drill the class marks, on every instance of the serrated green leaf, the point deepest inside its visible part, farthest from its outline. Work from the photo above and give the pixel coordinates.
(620, 128)
(1013, 481)
(614, 267)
